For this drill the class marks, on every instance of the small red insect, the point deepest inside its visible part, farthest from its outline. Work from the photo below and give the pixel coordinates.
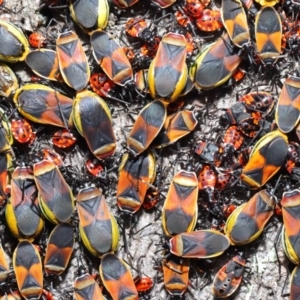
(101, 84)
(94, 167)
(151, 198)
(207, 178)
(143, 283)
(135, 26)
(63, 138)
(233, 138)
(209, 20)
(36, 40)
(22, 131)
(193, 8)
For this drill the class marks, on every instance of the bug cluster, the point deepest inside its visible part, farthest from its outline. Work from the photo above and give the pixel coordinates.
(120, 127)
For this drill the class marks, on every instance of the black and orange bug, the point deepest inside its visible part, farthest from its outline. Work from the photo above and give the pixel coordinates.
(229, 277)
(175, 127)
(9, 82)
(287, 113)
(97, 226)
(4, 266)
(59, 249)
(176, 275)
(247, 221)
(63, 138)
(169, 62)
(135, 175)
(36, 40)
(146, 127)
(14, 45)
(235, 22)
(209, 20)
(27, 265)
(90, 15)
(95, 167)
(215, 65)
(266, 158)
(260, 101)
(85, 286)
(73, 63)
(101, 84)
(56, 199)
(44, 63)
(22, 131)
(250, 127)
(111, 58)
(124, 3)
(290, 205)
(92, 118)
(22, 212)
(199, 244)
(268, 34)
(116, 278)
(180, 210)
(41, 104)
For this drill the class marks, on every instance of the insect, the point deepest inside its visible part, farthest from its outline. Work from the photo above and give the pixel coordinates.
(22, 212)
(229, 277)
(63, 138)
(73, 63)
(135, 175)
(44, 63)
(168, 62)
(268, 35)
(101, 84)
(27, 265)
(56, 199)
(288, 107)
(266, 158)
(41, 104)
(59, 249)
(116, 278)
(92, 118)
(111, 58)
(235, 22)
(22, 131)
(36, 40)
(209, 20)
(199, 244)
(176, 275)
(14, 45)
(90, 15)
(146, 127)
(247, 221)
(206, 69)
(180, 210)
(94, 214)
